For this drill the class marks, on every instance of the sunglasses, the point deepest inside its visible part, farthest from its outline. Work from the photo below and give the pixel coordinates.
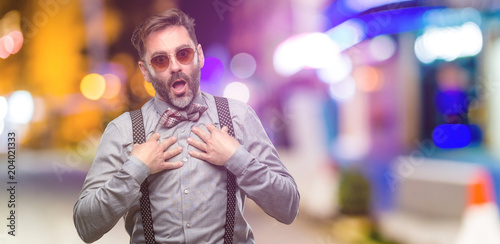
(162, 61)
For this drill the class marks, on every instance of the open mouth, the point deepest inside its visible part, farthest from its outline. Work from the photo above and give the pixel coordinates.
(179, 87)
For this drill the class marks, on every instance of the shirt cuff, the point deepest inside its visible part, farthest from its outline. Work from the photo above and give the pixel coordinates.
(136, 168)
(239, 161)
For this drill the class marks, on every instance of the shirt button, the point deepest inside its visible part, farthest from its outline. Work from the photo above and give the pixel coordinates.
(185, 159)
(186, 191)
(188, 225)
(182, 130)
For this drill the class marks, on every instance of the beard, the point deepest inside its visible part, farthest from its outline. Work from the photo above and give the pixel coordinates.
(164, 89)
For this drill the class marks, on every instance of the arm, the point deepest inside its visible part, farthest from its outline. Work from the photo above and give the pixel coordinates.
(113, 182)
(110, 188)
(259, 171)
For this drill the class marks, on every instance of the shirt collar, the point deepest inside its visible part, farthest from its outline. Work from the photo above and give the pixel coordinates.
(161, 106)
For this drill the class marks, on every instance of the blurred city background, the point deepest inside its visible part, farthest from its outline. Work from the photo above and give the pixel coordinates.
(386, 112)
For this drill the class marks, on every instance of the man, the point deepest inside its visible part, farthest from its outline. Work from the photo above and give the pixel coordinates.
(184, 162)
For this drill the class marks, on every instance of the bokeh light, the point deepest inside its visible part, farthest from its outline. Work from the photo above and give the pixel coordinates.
(313, 50)
(3, 108)
(285, 59)
(243, 65)
(382, 47)
(150, 90)
(237, 90)
(93, 86)
(449, 43)
(21, 107)
(318, 51)
(18, 39)
(452, 102)
(40, 109)
(347, 34)
(336, 71)
(218, 51)
(343, 90)
(113, 86)
(213, 70)
(451, 136)
(6, 46)
(368, 78)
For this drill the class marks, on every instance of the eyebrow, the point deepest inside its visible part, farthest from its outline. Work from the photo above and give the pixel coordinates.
(154, 54)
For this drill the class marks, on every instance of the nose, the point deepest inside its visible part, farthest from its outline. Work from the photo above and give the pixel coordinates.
(174, 65)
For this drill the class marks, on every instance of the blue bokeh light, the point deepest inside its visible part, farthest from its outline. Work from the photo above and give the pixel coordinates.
(452, 136)
(452, 102)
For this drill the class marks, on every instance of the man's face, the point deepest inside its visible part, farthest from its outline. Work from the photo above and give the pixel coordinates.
(179, 83)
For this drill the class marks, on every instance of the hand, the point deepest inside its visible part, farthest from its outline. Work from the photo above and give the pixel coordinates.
(217, 147)
(154, 154)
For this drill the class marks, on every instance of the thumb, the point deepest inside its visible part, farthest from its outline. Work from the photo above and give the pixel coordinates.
(225, 129)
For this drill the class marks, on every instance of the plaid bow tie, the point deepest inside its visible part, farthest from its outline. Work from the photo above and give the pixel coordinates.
(172, 117)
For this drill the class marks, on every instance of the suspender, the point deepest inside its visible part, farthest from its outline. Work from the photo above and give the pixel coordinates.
(139, 136)
(225, 120)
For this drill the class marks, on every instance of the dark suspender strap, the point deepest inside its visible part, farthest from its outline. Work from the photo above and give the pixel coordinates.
(225, 120)
(139, 138)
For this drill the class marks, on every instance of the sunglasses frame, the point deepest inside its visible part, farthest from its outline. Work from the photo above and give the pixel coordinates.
(170, 60)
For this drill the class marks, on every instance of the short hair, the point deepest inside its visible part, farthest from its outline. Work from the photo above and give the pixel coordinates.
(160, 21)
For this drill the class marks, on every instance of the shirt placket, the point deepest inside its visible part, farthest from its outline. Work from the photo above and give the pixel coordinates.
(183, 134)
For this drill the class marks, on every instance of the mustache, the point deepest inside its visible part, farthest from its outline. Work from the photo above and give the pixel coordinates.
(178, 76)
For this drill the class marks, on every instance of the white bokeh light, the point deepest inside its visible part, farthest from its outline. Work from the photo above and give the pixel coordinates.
(3, 108)
(337, 71)
(449, 43)
(243, 65)
(343, 90)
(314, 50)
(21, 107)
(347, 34)
(237, 90)
(382, 47)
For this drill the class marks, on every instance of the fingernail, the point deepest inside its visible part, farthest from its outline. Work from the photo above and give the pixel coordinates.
(189, 139)
(179, 164)
(179, 149)
(194, 129)
(173, 138)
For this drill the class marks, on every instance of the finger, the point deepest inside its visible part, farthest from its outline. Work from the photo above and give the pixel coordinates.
(211, 128)
(167, 143)
(171, 165)
(154, 137)
(198, 144)
(201, 134)
(170, 153)
(199, 155)
(225, 129)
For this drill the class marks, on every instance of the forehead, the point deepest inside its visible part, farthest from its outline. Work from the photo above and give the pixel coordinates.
(168, 39)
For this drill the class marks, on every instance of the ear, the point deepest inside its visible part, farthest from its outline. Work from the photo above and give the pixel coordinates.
(144, 71)
(201, 56)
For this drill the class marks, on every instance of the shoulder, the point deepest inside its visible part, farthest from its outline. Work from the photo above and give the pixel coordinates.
(123, 123)
(236, 107)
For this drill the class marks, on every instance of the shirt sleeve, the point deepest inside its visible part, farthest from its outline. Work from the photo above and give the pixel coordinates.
(260, 173)
(112, 185)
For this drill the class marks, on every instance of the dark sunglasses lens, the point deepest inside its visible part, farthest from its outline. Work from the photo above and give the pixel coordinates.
(160, 62)
(184, 56)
